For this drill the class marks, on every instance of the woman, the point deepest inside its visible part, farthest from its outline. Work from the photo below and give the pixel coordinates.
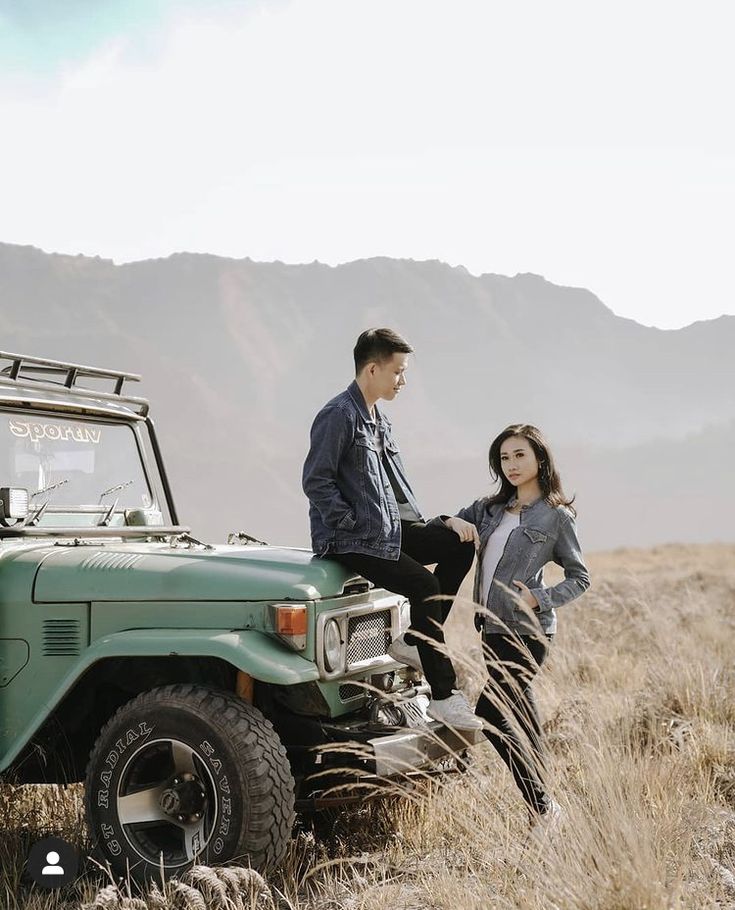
(526, 524)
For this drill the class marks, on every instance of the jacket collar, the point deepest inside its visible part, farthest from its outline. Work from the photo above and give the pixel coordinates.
(356, 395)
(531, 505)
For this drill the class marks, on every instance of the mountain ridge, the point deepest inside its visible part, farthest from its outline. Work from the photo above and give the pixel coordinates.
(237, 356)
(460, 268)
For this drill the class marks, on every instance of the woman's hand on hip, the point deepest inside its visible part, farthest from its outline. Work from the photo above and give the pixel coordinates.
(526, 595)
(465, 530)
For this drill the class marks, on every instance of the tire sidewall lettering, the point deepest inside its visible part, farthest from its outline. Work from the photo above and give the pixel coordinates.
(131, 736)
(225, 801)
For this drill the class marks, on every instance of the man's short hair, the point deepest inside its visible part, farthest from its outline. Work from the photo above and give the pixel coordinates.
(379, 345)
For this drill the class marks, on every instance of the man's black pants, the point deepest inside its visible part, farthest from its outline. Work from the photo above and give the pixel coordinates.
(421, 545)
(508, 705)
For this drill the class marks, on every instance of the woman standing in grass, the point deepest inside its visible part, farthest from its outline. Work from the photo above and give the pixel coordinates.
(517, 531)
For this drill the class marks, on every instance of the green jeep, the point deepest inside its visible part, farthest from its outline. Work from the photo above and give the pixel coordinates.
(202, 693)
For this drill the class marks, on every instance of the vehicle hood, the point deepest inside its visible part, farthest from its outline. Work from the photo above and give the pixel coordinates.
(145, 572)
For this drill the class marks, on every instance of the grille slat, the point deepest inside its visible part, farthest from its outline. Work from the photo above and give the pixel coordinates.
(368, 636)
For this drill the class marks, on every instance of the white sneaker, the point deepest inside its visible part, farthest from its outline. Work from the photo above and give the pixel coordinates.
(405, 654)
(454, 712)
(549, 822)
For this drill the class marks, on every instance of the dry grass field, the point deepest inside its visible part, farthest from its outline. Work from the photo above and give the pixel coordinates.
(638, 699)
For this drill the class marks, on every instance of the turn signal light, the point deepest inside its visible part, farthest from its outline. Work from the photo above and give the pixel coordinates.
(291, 624)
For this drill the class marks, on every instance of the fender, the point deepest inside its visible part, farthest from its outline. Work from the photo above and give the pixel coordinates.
(253, 652)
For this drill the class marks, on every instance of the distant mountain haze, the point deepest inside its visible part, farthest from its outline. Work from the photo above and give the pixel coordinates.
(237, 357)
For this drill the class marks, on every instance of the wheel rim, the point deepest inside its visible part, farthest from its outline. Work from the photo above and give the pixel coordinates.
(166, 802)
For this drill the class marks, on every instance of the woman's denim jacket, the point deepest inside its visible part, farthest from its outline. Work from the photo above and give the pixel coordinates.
(545, 534)
(352, 507)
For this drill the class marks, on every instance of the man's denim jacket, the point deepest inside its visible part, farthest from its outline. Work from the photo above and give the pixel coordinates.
(352, 507)
(545, 534)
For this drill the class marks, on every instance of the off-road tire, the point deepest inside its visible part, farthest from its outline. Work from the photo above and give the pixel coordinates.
(237, 761)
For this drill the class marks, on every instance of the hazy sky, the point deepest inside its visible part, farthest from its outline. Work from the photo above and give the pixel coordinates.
(588, 142)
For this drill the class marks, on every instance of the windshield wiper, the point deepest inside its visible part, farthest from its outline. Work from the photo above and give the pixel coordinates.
(106, 518)
(34, 518)
(51, 486)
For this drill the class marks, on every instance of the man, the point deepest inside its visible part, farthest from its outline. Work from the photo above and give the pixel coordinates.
(364, 514)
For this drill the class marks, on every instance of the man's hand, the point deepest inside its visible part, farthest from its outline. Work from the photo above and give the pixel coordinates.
(526, 595)
(465, 530)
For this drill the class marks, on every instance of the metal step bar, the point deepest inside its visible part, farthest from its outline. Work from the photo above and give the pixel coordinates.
(21, 367)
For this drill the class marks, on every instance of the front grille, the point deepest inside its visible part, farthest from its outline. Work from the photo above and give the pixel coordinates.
(350, 690)
(368, 636)
(61, 637)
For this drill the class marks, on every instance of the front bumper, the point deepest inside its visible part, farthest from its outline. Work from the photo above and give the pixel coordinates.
(383, 746)
(354, 770)
(419, 749)
(355, 757)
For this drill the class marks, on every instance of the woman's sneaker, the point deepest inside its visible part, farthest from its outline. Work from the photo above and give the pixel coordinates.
(548, 822)
(403, 653)
(454, 712)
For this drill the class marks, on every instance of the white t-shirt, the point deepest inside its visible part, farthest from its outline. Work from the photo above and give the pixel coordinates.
(494, 551)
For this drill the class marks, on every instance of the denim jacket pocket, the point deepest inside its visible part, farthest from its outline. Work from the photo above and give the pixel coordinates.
(365, 439)
(535, 545)
(366, 452)
(535, 535)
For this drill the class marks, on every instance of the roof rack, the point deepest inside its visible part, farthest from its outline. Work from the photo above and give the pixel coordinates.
(21, 368)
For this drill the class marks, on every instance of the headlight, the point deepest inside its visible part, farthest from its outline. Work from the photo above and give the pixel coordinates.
(332, 645)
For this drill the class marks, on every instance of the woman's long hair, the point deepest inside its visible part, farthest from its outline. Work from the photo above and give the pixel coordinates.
(548, 476)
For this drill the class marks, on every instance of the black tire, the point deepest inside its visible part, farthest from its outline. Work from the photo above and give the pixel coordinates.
(193, 773)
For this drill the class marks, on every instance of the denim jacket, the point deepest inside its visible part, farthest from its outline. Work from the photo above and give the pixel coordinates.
(352, 507)
(545, 533)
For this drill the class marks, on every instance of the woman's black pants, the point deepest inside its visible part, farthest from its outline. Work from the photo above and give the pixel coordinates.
(508, 706)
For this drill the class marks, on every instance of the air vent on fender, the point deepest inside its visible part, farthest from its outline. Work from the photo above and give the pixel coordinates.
(103, 560)
(61, 637)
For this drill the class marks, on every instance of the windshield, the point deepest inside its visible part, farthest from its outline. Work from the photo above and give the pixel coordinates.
(86, 459)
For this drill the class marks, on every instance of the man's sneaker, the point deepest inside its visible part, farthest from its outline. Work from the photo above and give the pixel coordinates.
(548, 822)
(454, 712)
(404, 654)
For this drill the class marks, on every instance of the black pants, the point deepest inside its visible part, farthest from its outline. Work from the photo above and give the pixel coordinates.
(508, 705)
(422, 544)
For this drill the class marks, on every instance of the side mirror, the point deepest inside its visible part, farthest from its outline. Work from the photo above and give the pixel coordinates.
(13, 503)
